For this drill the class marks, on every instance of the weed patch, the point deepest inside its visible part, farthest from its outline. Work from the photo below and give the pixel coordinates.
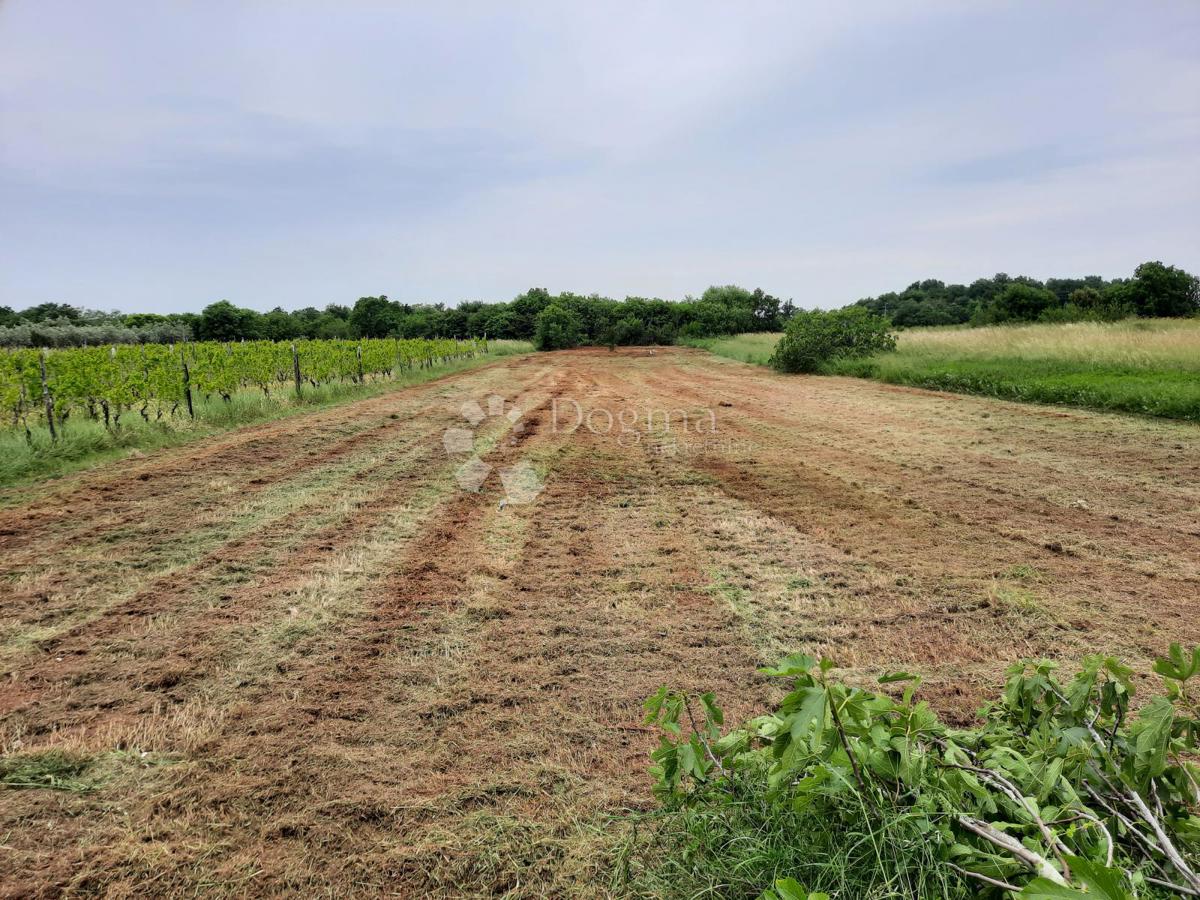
(52, 769)
(1062, 792)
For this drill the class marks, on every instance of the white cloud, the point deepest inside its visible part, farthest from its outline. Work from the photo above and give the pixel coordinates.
(160, 156)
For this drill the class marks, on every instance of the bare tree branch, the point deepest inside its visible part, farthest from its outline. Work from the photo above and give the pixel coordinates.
(1023, 854)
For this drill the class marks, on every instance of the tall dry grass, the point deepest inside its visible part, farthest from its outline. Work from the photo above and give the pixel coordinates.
(1131, 343)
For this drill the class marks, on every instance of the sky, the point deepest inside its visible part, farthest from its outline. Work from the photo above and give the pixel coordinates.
(159, 156)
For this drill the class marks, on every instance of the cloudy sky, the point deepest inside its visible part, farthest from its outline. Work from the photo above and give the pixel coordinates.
(158, 156)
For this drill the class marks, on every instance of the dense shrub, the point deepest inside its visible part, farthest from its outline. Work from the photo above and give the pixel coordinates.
(1155, 290)
(1062, 792)
(815, 338)
(557, 328)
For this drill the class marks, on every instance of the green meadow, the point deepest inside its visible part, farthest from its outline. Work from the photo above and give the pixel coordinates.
(1145, 366)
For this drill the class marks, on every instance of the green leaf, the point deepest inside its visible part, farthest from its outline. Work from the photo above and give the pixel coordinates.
(1050, 778)
(790, 889)
(734, 741)
(654, 704)
(1101, 883)
(710, 705)
(1153, 733)
(882, 764)
(1100, 880)
(810, 714)
(789, 666)
(891, 677)
(1177, 666)
(687, 758)
(1045, 889)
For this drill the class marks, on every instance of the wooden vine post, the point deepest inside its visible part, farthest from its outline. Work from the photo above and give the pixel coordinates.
(46, 398)
(296, 368)
(358, 353)
(187, 383)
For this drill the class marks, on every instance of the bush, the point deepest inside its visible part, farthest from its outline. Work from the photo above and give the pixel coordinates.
(557, 328)
(1061, 789)
(815, 338)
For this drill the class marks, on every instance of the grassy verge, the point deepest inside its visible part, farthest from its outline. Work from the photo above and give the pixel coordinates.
(83, 443)
(750, 348)
(1154, 392)
(739, 841)
(1145, 366)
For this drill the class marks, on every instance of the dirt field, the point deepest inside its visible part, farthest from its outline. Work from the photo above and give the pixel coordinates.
(300, 658)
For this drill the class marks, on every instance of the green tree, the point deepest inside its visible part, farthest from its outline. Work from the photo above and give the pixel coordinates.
(765, 310)
(816, 337)
(1160, 290)
(525, 309)
(1022, 302)
(222, 321)
(329, 327)
(557, 328)
(1105, 305)
(279, 325)
(499, 323)
(141, 320)
(728, 295)
(628, 331)
(46, 311)
(374, 317)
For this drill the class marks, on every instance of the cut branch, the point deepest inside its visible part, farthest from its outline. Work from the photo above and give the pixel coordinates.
(1034, 861)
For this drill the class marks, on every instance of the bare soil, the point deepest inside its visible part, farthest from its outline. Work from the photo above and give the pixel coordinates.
(300, 659)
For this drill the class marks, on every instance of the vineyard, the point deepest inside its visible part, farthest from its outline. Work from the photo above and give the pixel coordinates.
(48, 387)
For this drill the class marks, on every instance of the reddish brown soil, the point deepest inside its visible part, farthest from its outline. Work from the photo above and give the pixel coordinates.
(302, 660)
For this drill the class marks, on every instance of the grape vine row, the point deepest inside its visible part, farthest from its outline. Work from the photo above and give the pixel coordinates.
(157, 380)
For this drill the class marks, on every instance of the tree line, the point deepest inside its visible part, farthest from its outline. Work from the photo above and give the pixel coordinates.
(554, 321)
(1154, 290)
(562, 320)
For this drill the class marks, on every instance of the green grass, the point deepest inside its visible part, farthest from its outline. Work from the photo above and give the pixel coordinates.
(750, 348)
(73, 770)
(1145, 366)
(735, 845)
(83, 443)
(1157, 392)
(51, 769)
